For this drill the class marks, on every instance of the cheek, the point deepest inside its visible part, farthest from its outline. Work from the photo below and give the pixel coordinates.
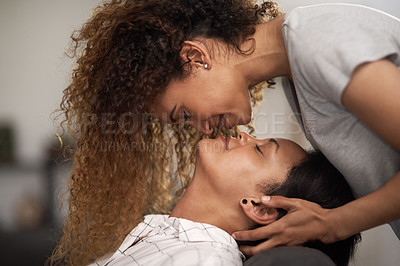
(237, 106)
(240, 184)
(232, 174)
(207, 104)
(277, 173)
(220, 90)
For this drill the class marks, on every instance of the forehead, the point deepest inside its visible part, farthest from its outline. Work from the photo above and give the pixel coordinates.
(291, 151)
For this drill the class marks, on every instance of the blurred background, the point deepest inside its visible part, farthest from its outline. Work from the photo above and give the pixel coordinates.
(33, 73)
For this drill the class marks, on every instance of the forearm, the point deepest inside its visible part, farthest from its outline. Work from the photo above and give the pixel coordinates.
(380, 207)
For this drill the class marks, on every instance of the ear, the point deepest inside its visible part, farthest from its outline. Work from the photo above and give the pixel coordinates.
(258, 212)
(196, 53)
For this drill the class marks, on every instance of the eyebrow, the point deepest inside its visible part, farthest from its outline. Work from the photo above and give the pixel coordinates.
(171, 115)
(274, 141)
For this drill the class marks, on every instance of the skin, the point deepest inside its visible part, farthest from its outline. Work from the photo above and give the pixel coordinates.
(226, 80)
(229, 170)
(305, 221)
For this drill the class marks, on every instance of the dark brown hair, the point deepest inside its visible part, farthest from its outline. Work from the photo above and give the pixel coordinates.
(315, 179)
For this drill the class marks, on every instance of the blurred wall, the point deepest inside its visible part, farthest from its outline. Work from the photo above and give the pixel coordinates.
(33, 67)
(33, 73)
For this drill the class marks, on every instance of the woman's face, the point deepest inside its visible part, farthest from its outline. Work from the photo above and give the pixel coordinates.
(206, 99)
(235, 167)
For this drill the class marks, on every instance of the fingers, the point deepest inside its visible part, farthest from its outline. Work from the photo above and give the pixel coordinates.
(280, 202)
(252, 235)
(249, 251)
(268, 244)
(302, 223)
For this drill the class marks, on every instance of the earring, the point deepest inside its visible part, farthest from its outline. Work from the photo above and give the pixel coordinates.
(205, 65)
(244, 201)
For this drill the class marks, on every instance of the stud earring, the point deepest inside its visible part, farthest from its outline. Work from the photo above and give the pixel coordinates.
(244, 201)
(205, 65)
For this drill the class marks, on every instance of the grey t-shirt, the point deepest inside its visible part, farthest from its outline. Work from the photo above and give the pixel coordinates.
(325, 43)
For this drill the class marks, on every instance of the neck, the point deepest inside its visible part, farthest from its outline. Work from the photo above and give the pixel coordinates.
(200, 203)
(269, 58)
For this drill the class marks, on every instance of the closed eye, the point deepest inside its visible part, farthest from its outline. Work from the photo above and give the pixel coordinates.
(258, 149)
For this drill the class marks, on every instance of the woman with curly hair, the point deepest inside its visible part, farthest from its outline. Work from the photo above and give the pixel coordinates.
(127, 163)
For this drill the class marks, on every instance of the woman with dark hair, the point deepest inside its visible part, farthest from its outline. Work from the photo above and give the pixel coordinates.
(230, 177)
(197, 62)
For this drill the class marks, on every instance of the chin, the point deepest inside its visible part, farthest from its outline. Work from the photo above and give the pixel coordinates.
(247, 120)
(202, 147)
(202, 143)
(208, 151)
(244, 120)
(204, 155)
(209, 146)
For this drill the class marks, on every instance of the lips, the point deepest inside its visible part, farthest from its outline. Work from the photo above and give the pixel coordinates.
(225, 140)
(225, 122)
(228, 138)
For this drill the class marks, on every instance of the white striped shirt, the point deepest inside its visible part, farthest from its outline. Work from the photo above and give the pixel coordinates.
(170, 241)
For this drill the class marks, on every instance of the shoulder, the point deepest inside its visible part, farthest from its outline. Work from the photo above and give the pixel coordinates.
(325, 43)
(322, 24)
(324, 12)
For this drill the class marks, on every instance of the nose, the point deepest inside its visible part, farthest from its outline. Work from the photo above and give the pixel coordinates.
(244, 137)
(204, 127)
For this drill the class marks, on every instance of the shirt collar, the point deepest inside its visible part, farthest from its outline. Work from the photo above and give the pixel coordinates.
(190, 231)
(185, 230)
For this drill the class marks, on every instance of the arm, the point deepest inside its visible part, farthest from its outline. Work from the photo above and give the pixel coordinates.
(373, 94)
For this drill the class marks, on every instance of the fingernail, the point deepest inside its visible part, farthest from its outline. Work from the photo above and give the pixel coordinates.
(234, 236)
(265, 198)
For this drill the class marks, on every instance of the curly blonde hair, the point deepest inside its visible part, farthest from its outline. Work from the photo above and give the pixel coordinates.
(126, 162)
